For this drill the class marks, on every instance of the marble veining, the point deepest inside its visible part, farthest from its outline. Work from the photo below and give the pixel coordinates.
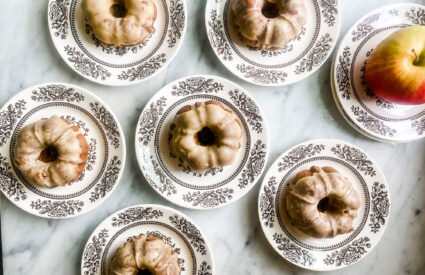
(295, 113)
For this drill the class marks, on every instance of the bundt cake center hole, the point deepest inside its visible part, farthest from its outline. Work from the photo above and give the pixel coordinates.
(144, 272)
(49, 154)
(323, 204)
(270, 10)
(118, 9)
(205, 137)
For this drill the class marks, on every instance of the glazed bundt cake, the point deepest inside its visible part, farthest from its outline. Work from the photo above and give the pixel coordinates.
(205, 135)
(51, 152)
(145, 253)
(322, 203)
(120, 22)
(269, 24)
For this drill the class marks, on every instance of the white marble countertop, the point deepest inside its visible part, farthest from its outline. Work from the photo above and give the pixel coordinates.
(295, 113)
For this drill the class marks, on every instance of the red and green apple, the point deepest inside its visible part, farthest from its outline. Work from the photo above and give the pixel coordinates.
(395, 70)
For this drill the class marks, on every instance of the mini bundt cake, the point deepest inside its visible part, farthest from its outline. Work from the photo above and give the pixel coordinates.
(145, 253)
(120, 22)
(205, 136)
(51, 152)
(269, 24)
(322, 203)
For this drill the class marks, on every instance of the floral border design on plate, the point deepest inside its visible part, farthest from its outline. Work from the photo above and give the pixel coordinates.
(57, 209)
(144, 70)
(9, 117)
(91, 254)
(372, 121)
(217, 38)
(294, 253)
(356, 157)
(58, 16)
(56, 93)
(136, 213)
(380, 206)
(209, 199)
(317, 55)
(149, 120)
(259, 72)
(349, 254)
(108, 181)
(248, 108)
(108, 122)
(329, 11)
(85, 66)
(97, 247)
(196, 85)
(266, 202)
(299, 153)
(62, 25)
(195, 195)
(261, 75)
(255, 165)
(374, 220)
(34, 200)
(365, 27)
(419, 126)
(9, 184)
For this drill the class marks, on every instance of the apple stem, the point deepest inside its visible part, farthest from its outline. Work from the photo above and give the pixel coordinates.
(419, 59)
(416, 55)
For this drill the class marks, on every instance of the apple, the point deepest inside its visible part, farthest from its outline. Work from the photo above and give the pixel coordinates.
(395, 70)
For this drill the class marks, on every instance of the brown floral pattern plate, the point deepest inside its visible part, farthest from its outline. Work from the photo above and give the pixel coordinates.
(297, 60)
(112, 65)
(175, 181)
(370, 115)
(101, 129)
(174, 228)
(342, 250)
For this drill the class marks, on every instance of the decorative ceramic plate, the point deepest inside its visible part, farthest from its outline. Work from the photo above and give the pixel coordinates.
(343, 250)
(101, 129)
(108, 64)
(174, 180)
(378, 118)
(174, 228)
(300, 58)
(341, 110)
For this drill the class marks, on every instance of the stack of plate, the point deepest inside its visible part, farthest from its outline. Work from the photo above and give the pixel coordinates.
(367, 113)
